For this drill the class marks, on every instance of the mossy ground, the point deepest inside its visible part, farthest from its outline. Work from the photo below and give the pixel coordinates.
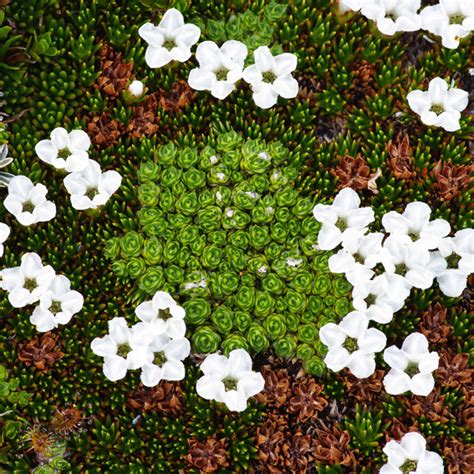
(353, 87)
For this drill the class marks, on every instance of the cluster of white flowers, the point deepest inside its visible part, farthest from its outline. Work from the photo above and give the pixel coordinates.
(449, 19)
(383, 269)
(32, 282)
(220, 68)
(410, 455)
(87, 185)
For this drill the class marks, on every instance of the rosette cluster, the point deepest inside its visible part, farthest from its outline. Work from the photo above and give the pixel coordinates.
(414, 251)
(32, 282)
(156, 345)
(225, 228)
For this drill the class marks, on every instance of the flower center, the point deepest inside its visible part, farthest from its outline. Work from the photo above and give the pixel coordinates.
(230, 384)
(123, 350)
(341, 224)
(91, 193)
(390, 16)
(456, 19)
(64, 153)
(28, 206)
(437, 109)
(169, 44)
(408, 466)
(160, 358)
(359, 258)
(30, 284)
(453, 260)
(412, 369)
(221, 74)
(268, 77)
(350, 344)
(414, 235)
(401, 269)
(55, 307)
(165, 314)
(370, 300)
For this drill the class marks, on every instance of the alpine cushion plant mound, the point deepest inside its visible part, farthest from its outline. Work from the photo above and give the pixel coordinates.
(223, 230)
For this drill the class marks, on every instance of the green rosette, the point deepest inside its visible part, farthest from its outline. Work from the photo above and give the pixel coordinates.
(273, 250)
(275, 326)
(330, 301)
(167, 201)
(315, 366)
(331, 315)
(259, 236)
(303, 207)
(273, 284)
(261, 184)
(209, 219)
(228, 282)
(174, 275)
(244, 299)
(205, 340)
(216, 30)
(296, 302)
(257, 338)
(148, 216)
(195, 284)
(152, 251)
(218, 174)
(322, 285)
(148, 194)
(131, 244)
(242, 320)
(136, 267)
(308, 317)
(264, 304)
(316, 304)
(309, 225)
(278, 180)
(197, 246)
(308, 333)
(214, 285)
(239, 239)
(166, 154)
(280, 304)
(194, 178)
(236, 257)
(112, 248)
(188, 234)
(188, 204)
(258, 265)
(279, 232)
(152, 280)
(286, 346)
(247, 279)
(225, 266)
(149, 171)
(197, 310)
(304, 352)
(206, 198)
(232, 159)
(156, 228)
(208, 158)
(277, 150)
(222, 319)
(252, 147)
(320, 263)
(294, 228)
(263, 213)
(340, 286)
(234, 218)
(320, 348)
(171, 250)
(228, 141)
(187, 157)
(223, 196)
(292, 321)
(302, 282)
(179, 188)
(244, 196)
(234, 28)
(170, 176)
(281, 267)
(283, 214)
(308, 245)
(256, 163)
(232, 342)
(342, 307)
(250, 20)
(211, 256)
(218, 237)
(178, 221)
(119, 267)
(237, 177)
(184, 257)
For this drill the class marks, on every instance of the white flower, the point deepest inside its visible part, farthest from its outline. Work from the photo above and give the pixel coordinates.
(410, 455)
(450, 19)
(27, 201)
(411, 366)
(122, 349)
(219, 68)
(454, 262)
(352, 344)
(4, 233)
(271, 77)
(415, 222)
(354, 5)
(359, 254)
(136, 88)
(439, 106)
(165, 361)
(409, 261)
(91, 188)
(380, 297)
(65, 150)
(57, 305)
(343, 214)
(170, 41)
(27, 283)
(393, 15)
(229, 380)
(164, 314)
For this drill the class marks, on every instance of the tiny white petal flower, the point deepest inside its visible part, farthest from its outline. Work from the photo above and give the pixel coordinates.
(270, 77)
(4, 233)
(411, 366)
(410, 455)
(229, 380)
(354, 5)
(439, 106)
(170, 41)
(27, 201)
(65, 150)
(91, 188)
(136, 88)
